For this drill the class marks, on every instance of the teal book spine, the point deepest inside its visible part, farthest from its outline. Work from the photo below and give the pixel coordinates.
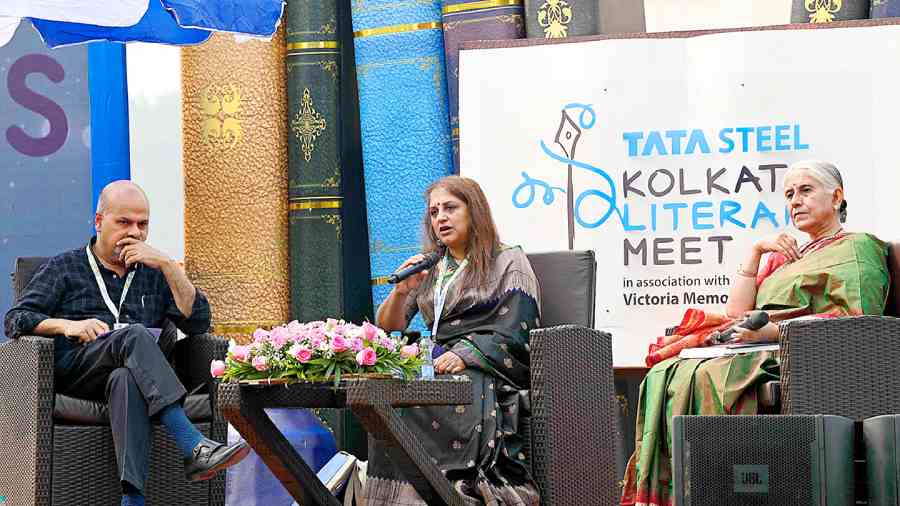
(561, 19)
(403, 121)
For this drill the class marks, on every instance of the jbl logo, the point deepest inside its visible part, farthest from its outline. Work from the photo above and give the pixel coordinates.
(751, 479)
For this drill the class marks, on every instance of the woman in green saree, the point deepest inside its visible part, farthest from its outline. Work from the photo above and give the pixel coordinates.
(835, 273)
(481, 300)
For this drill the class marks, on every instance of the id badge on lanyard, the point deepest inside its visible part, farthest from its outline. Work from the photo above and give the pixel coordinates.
(441, 289)
(105, 294)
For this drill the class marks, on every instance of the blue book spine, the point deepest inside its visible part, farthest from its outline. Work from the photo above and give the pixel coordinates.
(403, 122)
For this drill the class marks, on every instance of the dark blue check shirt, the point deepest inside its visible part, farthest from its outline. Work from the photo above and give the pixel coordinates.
(65, 287)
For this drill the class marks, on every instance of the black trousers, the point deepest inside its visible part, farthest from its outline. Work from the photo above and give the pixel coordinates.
(127, 370)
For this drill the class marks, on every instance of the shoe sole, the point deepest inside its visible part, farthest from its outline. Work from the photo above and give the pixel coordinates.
(231, 460)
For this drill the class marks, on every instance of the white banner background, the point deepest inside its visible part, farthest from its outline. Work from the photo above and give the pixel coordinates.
(829, 94)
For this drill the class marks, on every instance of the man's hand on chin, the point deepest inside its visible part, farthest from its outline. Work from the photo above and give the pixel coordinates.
(86, 330)
(135, 251)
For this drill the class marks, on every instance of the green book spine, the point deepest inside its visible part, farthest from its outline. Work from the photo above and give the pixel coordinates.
(328, 243)
(314, 159)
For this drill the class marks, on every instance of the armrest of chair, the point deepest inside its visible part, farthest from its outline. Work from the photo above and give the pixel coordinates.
(192, 356)
(574, 423)
(844, 366)
(26, 418)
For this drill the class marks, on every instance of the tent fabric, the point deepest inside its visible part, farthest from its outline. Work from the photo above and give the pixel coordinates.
(251, 17)
(177, 22)
(96, 12)
(157, 25)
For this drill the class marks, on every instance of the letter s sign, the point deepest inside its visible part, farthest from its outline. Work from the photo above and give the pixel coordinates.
(21, 94)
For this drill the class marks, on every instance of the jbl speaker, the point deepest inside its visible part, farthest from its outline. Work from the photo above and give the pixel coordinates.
(803, 460)
(881, 434)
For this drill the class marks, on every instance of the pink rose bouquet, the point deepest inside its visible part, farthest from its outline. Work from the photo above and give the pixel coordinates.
(318, 351)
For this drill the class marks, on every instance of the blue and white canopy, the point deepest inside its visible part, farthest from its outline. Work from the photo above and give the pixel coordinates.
(66, 22)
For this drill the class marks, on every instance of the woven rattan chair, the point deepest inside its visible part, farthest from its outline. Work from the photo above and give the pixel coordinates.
(573, 424)
(843, 366)
(56, 450)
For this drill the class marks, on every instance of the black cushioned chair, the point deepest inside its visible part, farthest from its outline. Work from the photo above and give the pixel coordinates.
(573, 423)
(58, 450)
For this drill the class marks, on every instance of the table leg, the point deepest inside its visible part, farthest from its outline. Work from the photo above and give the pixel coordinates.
(407, 452)
(276, 451)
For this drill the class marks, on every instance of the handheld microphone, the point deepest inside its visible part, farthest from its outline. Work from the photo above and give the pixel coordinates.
(755, 321)
(426, 263)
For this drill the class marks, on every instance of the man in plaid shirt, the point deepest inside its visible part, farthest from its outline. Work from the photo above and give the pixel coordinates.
(98, 302)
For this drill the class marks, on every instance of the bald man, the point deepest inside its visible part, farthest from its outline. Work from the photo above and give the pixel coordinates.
(98, 303)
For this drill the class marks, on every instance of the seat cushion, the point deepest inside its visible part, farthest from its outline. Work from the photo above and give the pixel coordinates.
(74, 411)
(567, 280)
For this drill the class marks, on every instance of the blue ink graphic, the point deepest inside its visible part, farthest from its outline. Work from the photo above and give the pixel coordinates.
(566, 137)
(529, 184)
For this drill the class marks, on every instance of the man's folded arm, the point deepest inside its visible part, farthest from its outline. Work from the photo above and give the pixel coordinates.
(40, 299)
(199, 320)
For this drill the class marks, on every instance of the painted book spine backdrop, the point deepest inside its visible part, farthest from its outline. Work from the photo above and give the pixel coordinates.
(314, 156)
(404, 123)
(826, 11)
(560, 19)
(329, 268)
(465, 20)
(884, 9)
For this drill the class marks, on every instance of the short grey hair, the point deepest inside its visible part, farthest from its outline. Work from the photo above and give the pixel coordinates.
(825, 173)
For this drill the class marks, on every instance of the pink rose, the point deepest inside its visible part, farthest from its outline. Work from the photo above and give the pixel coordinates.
(339, 344)
(260, 363)
(295, 328)
(387, 342)
(366, 356)
(409, 351)
(357, 344)
(316, 342)
(301, 353)
(217, 368)
(369, 330)
(240, 353)
(260, 335)
(279, 337)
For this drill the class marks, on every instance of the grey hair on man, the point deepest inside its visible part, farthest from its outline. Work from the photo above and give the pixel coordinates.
(825, 173)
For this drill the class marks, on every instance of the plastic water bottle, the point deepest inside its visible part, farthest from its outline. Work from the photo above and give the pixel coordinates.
(427, 347)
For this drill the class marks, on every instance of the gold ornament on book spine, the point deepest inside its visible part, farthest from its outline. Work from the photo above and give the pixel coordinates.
(321, 44)
(220, 106)
(315, 204)
(483, 4)
(307, 125)
(822, 11)
(387, 30)
(554, 17)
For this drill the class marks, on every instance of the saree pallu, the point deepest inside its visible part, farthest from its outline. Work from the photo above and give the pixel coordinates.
(842, 275)
(477, 446)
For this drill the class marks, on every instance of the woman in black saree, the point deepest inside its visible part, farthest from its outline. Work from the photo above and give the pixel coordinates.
(485, 298)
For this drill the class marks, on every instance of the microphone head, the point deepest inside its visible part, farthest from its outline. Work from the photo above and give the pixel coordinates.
(757, 320)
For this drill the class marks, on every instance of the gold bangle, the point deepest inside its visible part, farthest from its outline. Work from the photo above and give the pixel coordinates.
(742, 272)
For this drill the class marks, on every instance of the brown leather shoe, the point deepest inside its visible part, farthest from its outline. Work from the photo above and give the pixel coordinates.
(209, 457)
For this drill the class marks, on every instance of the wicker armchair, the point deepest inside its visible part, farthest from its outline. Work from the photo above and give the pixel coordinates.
(56, 450)
(844, 366)
(573, 430)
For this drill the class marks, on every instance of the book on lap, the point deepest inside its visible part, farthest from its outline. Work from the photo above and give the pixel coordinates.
(724, 350)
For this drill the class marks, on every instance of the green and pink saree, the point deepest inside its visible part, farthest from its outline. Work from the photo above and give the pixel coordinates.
(837, 276)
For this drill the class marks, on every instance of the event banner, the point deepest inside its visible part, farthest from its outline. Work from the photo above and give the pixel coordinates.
(666, 155)
(45, 151)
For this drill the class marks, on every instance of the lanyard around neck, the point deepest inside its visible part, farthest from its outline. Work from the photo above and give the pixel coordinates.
(102, 285)
(442, 287)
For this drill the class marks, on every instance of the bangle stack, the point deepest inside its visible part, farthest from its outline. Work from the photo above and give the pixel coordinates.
(742, 272)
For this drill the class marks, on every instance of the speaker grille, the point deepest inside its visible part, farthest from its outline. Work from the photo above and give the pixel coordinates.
(778, 449)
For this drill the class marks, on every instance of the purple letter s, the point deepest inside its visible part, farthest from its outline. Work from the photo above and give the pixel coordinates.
(19, 92)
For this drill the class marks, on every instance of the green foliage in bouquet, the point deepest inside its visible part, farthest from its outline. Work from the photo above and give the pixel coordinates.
(318, 351)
